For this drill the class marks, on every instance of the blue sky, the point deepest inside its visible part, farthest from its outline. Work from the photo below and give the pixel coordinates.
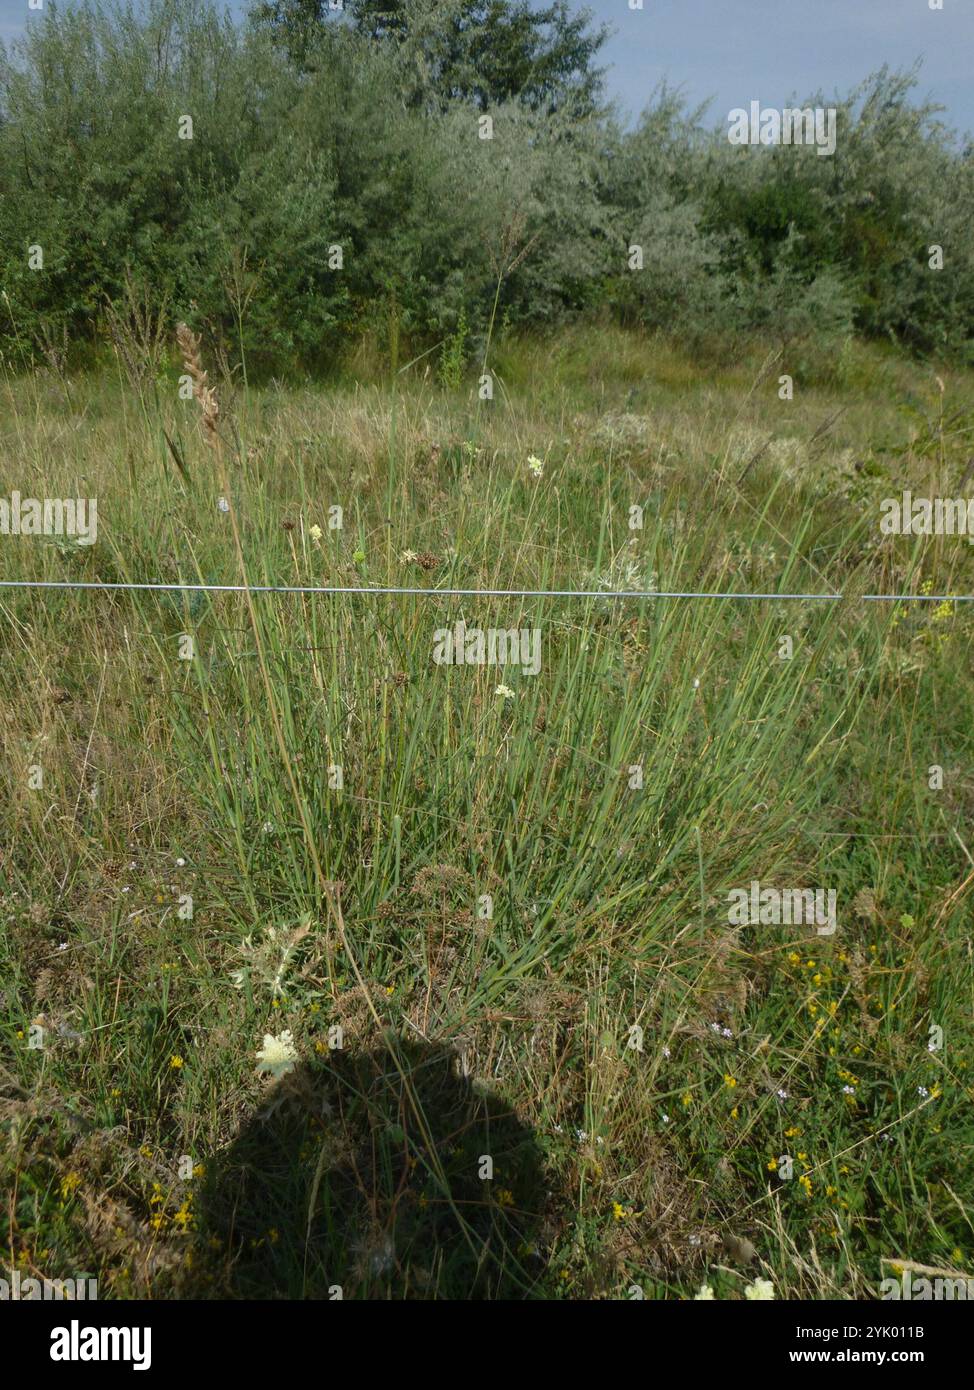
(735, 51)
(770, 50)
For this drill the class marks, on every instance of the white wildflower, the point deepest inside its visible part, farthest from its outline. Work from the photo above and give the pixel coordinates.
(278, 1055)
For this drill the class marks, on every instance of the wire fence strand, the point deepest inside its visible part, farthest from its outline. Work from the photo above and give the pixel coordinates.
(379, 589)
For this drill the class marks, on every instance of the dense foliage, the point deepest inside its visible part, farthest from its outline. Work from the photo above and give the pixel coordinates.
(335, 178)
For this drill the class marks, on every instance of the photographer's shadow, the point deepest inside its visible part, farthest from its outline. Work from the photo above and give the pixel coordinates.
(380, 1174)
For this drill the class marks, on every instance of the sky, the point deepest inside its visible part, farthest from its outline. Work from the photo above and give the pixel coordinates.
(736, 51)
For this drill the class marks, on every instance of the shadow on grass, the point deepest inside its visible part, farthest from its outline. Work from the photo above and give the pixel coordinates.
(364, 1174)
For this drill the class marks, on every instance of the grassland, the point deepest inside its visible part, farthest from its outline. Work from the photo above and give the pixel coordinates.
(190, 877)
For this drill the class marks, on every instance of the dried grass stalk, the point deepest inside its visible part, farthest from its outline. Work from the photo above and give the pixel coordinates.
(189, 346)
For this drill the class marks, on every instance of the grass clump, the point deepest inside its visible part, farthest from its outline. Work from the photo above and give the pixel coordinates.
(328, 967)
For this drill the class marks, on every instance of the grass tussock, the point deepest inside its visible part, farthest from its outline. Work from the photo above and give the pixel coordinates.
(511, 1045)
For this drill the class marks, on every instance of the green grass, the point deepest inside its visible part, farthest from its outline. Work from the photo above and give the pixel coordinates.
(149, 1152)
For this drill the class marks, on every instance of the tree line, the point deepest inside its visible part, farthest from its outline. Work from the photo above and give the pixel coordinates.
(291, 180)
